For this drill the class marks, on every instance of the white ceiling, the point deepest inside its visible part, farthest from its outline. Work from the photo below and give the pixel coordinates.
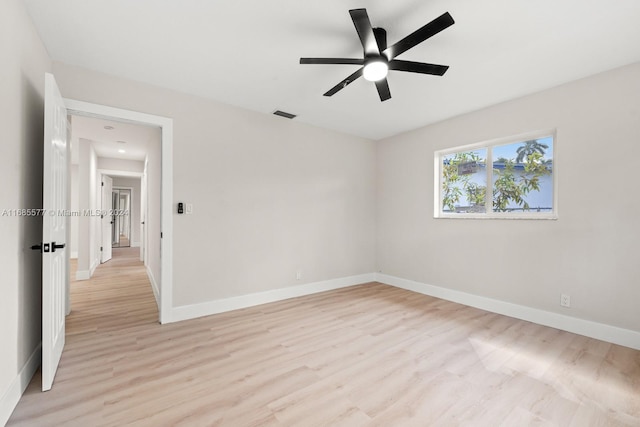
(246, 52)
(110, 143)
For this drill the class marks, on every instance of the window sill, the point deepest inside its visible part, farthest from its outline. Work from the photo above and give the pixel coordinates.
(552, 217)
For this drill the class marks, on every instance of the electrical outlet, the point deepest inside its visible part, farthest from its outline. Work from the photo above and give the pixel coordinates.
(298, 274)
(565, 300)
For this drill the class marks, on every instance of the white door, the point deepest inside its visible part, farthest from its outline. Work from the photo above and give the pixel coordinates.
(106, 218)
(54, 252)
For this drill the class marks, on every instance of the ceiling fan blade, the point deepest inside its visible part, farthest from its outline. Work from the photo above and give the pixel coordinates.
(365, 31)
(432, 28)
(383, 89)
(331, 61)
(344, 83)
(418, 67)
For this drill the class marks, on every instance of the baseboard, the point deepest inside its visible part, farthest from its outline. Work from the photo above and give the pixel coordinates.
(135, 244)
(95, 265)
(87, 274)
(73, 255)
(186, 312)
(600, 331)
(154, 286)
(83, 275)
(11, 397)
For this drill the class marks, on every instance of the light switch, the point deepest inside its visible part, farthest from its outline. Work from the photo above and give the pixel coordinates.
(189, 208)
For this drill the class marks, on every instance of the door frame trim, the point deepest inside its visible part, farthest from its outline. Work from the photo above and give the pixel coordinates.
(82, 108)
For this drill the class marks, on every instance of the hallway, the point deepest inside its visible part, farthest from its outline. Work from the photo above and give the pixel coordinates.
(118, 294)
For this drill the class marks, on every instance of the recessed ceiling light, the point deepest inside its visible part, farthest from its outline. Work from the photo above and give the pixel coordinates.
(121, 151)
(121, 142)
(109, 127)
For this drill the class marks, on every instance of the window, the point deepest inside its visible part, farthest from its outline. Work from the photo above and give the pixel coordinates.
(519, 184)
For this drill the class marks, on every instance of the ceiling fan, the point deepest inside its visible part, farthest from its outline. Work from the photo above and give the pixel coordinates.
(380, 58)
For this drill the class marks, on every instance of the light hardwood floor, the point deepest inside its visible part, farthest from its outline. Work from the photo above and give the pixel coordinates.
(370, 355)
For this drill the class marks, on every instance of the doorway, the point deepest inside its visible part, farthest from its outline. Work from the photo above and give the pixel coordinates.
(121, 209)
(158, 223)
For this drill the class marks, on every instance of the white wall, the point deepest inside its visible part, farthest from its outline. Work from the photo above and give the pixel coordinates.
(270, 196)
(590, 252)
(122, 165)
(89, 200)
(24, 62)
(74, 206)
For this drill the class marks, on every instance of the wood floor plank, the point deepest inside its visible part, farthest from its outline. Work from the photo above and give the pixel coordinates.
(369, 355)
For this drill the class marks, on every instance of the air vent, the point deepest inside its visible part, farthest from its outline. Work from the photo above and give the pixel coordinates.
(283, 114)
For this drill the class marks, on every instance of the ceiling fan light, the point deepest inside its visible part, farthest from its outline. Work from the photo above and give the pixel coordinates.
(375, 70)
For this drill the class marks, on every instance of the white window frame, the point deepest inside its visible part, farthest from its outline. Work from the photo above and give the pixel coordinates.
(489, 214)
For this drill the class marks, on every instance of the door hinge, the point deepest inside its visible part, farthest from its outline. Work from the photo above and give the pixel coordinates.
(161, 234)
(103, 184)
(100, 248)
